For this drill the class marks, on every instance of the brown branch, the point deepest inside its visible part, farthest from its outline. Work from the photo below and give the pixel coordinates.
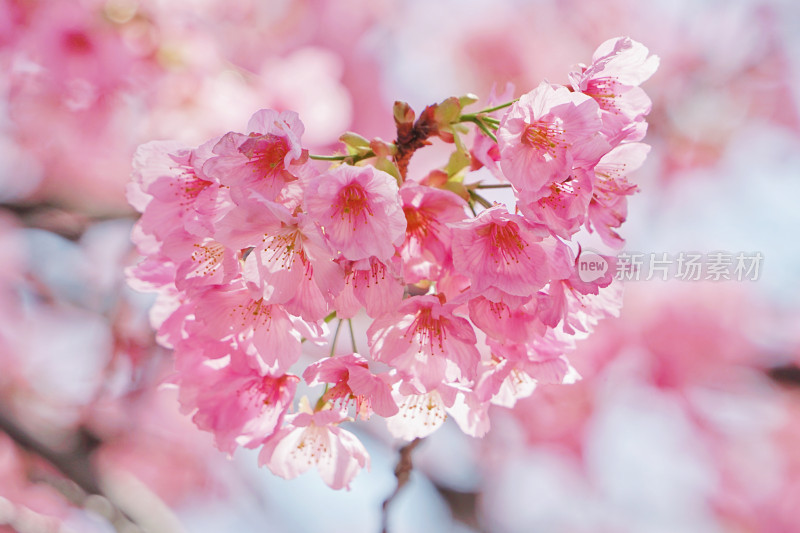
(788, 375)
(81, 486)
(463, 505)
(402, 472)
(68, 223)
(73, 464)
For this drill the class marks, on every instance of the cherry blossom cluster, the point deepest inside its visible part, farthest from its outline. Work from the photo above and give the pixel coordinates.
(254, 247)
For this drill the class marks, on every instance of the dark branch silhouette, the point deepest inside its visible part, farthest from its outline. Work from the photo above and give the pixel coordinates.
(75, 465)
(402, 472)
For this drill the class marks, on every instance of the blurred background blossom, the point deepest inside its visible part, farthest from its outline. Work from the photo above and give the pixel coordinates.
(687, 416)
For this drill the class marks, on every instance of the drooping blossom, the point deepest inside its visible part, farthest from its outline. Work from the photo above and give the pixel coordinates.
(427, 342)
(575, 304)
(315, 439)
(265, 331)
(420, 413)
(373, 285)
(288, 257)
(501, 250)
(505, 322)
(359, 210)
(427, 246)
(609, 206)
(352, 382)
(230, 398)
(562, 210)
(541, 358)
(502, 382)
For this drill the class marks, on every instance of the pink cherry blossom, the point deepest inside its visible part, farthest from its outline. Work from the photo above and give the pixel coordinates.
(471, 413)
(265, 330)
(609, 206)
(578, 306)
(623, 58)
(263, 161)
(540, 358)
(359, 209)
(563, 210)
(426, 342)
(500, 250)
(420, 413)
(172, 192)
(504, 323)
(371, 284)
(353, 382)
(540, 134)
(503, 382)
(229, 398)
(618, 67)
(253, 245)
(208, 263)
(288, 257)
(315, 439)
(428, 212)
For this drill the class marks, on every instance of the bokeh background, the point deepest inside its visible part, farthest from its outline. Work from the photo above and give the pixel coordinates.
(688, 416)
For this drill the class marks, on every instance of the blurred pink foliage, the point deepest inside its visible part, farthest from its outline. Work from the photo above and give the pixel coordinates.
(713, 444)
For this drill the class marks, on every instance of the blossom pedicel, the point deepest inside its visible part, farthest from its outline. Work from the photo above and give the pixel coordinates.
(254, 246)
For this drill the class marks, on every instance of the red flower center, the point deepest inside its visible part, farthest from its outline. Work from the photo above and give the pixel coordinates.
(352, 203)
(265, 152)
(544, 136)
(504, 242)
(430, 331)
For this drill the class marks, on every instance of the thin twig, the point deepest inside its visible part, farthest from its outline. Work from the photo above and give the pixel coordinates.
(402, 472)
(351, 159)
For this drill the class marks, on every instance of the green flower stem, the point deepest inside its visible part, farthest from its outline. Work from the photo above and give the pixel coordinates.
(352, 335)
(480, 199)
(321, 402)
(493, 186)
(497, 107)
(470, 117)
(335, 338)
(351, 159)
(478, 121)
